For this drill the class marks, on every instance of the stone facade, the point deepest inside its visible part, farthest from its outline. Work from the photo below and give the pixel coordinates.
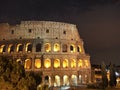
(53, 48)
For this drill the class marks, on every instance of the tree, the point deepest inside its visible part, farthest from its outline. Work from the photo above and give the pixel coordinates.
(4, 85)
(112, 76)
(37, 76)
(14, 77)
(27, 83)
(104, 76)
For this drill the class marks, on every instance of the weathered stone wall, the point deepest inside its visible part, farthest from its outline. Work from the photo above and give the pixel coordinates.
(39, 30)
(43, 32)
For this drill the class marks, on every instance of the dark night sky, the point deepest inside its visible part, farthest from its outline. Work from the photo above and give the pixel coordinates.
(98, 21)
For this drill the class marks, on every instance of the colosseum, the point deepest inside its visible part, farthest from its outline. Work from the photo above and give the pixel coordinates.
(53, 48)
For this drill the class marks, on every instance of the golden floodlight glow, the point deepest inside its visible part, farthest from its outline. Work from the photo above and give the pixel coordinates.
(73, 76)
(73, 63)
(56, 63)
(56, 47)
(79, 48)
(37, 63)
(57, 80)
(47, 47)
(66, 80)
(18, 60)
(27, 64)
(1, 48)
(86, 63)
(9, 48)
(80, 64)
(26, 48)
(65, 63)
(18, 47)
(47, 63)
(72, 48)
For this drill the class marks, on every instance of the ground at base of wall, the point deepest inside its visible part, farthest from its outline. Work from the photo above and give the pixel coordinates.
(79, 88)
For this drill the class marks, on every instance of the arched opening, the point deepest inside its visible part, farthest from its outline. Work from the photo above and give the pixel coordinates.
(80, 79)
(86, 63)
(19, 48)
(38, 47)
(27, 64)
(2, 48)
(80, 63)
(65, 63)
(86, 78)
(19, 61)
(47, 47)
(47, 80)
(10, 48)
(74, 80)
(65, 80)
(72, 48)
(56, 63)
(56, 47)
(28, 47)
(37, 63)
(57, 81)
(64, 48)
(79, 48)
(47, 63)
(73, 63)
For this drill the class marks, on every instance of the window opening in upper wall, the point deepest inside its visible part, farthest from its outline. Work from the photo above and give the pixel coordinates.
(47, 31)
(29, 30)
(64, 32)
(12, 32)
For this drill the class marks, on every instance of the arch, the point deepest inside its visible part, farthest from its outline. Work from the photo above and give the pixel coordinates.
(80, 63)
(57, 81)
(86, 63)
(38, 47)
(80, 78)
(19, 61)
(72, 48)
(47, 47)
(64, 48)
(27, 64)
(28, 47)
(79, 48)
(56, 63)
(2, 48)
(56, 47)
(74, 80)
(65, 80)
(47, 31)
(10, 48)
(65, 63)
(37, 63)
(47, 80)
(73, 63)
(86, 78)
(47, 63)
(19, 48)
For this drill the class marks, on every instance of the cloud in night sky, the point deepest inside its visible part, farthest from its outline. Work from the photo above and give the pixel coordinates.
(98, 21)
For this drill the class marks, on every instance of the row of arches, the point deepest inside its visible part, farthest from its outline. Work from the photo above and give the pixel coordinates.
(47, 47)
(67, 80)
(57, 63)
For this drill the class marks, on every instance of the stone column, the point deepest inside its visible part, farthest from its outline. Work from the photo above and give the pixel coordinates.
(61, 80)
(52, 80)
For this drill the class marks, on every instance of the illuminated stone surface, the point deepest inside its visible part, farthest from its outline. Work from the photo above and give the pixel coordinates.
(53, 48)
